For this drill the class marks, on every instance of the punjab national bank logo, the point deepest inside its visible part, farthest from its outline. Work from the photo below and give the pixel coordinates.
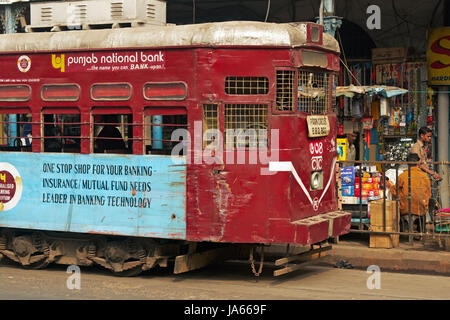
(58, 62)
(10, 186)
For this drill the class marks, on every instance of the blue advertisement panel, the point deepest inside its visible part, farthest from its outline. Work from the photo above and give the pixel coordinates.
(98, 193)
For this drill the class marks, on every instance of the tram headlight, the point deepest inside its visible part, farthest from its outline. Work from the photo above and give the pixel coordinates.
(317, 180)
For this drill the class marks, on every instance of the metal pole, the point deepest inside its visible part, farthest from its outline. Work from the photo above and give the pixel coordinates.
(396, 202)
(384, 201)
(409, 204)
(321, 13)
(10, 28)
(360, 198)
(157, 143)
(443, 133)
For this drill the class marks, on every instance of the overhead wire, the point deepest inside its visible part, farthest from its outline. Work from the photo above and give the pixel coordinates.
(345, 62)
(268, 10)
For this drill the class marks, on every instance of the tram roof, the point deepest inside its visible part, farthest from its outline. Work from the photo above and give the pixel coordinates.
(216, 34)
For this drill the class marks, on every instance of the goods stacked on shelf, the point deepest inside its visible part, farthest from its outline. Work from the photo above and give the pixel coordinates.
(386, 124)
(354, 188)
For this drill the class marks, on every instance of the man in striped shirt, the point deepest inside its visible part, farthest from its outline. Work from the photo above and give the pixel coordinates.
(419, 148)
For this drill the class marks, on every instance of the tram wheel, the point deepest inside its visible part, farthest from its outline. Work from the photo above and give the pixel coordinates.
(30, 251)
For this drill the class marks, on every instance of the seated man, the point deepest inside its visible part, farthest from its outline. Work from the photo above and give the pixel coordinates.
(420, 192)
(110, 140)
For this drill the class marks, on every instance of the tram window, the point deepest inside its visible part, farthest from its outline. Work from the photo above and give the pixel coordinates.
(313, 92)
(111, 91)
(246, 85)
(113, 133)
(245, 125)
(160, 125)
(60, 92)
(62, 133)
(285, 90)
(15, 132)
(210, 124)
(20, 92)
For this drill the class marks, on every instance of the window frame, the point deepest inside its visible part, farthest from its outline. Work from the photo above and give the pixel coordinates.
(269, 107)
(249, 94)
(294, 109)
(171, 98)
(61, 85)
(26, 99)
(329, 74)
(111, 99)
(149, 111)
(53, 110)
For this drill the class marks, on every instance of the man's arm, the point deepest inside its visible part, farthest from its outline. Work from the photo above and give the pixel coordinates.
(425, 168)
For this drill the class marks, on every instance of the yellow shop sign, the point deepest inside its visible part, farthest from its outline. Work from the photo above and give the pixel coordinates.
(439, 57)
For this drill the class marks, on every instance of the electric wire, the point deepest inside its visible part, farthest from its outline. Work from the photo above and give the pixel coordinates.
(268, 10)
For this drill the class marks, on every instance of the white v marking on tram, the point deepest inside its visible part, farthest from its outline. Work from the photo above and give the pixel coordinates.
(287, 166)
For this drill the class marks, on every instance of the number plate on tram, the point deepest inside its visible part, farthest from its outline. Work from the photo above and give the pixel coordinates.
(318, 126)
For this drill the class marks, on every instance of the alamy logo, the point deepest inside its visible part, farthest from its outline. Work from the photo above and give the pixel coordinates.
(74, 280)
(374, 281)
(374, 20)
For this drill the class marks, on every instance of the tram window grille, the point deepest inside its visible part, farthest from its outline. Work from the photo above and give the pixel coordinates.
(113, 133)
(246, 125)
(285, 90)
(313, 92)
(62, 133)
(16, 132)
(246, 85)
(210, 122)
(164, 145)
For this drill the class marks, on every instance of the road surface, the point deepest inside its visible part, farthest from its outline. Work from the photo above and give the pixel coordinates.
(219, 282)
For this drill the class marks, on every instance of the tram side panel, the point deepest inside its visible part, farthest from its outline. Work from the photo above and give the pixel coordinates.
(132, 195)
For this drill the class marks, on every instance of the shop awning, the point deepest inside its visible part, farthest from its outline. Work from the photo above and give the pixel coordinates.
(384, 91)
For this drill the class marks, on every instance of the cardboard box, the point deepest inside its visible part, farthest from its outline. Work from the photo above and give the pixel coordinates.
(348, 176)
(348, 191)
(367, 186)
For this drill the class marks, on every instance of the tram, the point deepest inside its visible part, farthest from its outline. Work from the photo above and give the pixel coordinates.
(137, 147)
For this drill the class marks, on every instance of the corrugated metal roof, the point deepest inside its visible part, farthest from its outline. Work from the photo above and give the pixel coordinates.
(232, 33)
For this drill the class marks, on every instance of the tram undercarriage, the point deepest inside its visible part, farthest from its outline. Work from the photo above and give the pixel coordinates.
(127, 256)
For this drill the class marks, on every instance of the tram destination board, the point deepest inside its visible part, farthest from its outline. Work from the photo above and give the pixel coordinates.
(318, 126)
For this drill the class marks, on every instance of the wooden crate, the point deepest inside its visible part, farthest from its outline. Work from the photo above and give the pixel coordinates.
(376, 224)
(383, 240)
(376, 214)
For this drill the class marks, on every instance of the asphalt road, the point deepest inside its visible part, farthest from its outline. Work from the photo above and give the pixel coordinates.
(220, 282)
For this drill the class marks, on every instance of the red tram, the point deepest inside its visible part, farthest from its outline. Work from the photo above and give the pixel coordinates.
(131, 147)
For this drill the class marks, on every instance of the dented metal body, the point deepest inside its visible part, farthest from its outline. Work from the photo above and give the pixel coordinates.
(193, 201)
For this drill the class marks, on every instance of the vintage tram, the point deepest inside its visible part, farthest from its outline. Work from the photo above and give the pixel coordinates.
(131, 148)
